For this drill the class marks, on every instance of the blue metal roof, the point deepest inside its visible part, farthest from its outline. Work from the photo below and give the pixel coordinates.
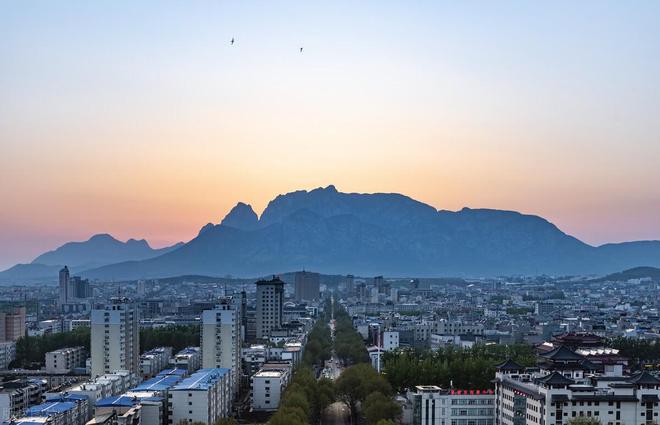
(50, 408)
(201, 380)
(119, 400)
(66, 397)
(23, 421)
(159, 383)
(175, 371)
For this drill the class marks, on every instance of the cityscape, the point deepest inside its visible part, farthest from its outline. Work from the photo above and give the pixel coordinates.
(329, 213)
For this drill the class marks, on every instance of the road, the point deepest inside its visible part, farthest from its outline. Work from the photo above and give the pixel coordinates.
(336, 414)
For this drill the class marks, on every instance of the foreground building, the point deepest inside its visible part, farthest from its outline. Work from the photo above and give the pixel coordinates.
(203, 397)
(221, 339)
(432, 405)
(568, 386)
(268, 384)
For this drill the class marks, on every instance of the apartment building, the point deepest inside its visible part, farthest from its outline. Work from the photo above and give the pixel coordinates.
(65, 360)
(203, 397)
(432, 405)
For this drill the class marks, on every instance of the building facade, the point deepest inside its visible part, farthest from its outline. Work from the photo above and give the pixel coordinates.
(203, 397)
(115, 342)
(65, 360)
(270, 304)
(221, 339)
(307, 286)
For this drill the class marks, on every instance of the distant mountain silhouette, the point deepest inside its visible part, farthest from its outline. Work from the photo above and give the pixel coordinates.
(100, 250)
(97, 251)
(332, 232)
(634, 273)
(29, 273)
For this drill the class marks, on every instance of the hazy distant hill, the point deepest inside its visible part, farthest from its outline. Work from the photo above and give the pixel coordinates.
(634, 273)
(28, 273)
(368, 234)
(99, 250)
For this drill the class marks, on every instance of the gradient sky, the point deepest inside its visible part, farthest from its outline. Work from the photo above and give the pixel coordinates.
(142, 121)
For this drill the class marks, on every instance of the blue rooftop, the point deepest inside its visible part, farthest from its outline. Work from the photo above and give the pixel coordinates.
(159, 383)
(201, 380)
(119, 400)
(25, 421)
(175, 371)
(189, 350)
(66, 397)
(50, 408)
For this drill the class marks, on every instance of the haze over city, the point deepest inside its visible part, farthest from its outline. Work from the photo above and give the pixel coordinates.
(145, 122)
(329, 213)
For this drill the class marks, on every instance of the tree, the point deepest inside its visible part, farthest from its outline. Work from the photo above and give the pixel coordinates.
(357, 382)
(385, 422)
(226, 421)
(377, 407)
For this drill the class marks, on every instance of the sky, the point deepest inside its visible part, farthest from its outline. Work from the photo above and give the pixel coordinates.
(143, 121)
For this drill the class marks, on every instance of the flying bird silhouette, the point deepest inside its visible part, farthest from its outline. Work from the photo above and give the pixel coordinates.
(232, 41)
(301, 50)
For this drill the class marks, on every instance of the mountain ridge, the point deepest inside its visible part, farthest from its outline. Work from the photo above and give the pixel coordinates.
(381, 233)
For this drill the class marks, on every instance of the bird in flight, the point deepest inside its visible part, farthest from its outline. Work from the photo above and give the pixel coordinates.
(301, 50)
(232, 41)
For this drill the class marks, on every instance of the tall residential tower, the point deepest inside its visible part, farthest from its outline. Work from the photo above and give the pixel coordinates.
(115, 343)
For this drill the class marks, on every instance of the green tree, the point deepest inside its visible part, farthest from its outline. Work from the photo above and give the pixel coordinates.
(357, 382)
(377, 407)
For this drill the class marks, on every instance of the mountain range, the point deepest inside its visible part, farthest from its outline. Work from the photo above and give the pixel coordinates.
(367, 234)
(97, 251)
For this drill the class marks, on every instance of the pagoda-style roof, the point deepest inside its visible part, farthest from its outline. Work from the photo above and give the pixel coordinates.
(644, 378)
(588, 365)
(562, 354)
(556, 379)
(508, 364)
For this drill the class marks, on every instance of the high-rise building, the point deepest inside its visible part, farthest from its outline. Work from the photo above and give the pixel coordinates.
(270, 300)
(221, 338)
(350, 284)
(115, 343)
(307, 286)
(64, 285)
(12, 324)
(79, 289)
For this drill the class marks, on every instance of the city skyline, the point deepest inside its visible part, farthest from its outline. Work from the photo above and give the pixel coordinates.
(152, 124)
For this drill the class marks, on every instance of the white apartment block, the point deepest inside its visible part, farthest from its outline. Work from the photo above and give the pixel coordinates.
(7, 354)
(451, 327)
(18, 395)
(115, 342)
(154, 360)
(189, 358)
(432, 405)
(390, 340)
(203, 397)
(65, 360)
(221, 340)
(105, 386)
(267, 388)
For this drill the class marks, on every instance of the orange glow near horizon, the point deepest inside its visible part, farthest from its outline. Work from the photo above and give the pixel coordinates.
(155, 130)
